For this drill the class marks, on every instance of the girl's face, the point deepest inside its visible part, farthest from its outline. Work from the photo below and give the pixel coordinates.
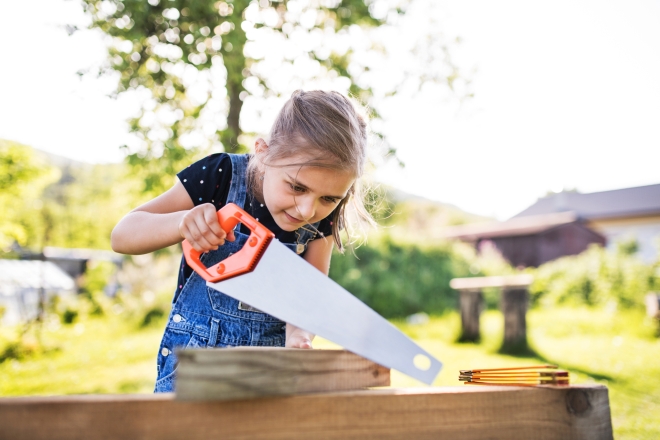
(296, 196)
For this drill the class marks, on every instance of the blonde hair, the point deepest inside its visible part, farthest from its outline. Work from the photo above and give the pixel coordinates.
(328, 130)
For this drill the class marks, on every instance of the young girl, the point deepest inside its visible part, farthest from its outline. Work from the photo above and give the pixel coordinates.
(298, 184)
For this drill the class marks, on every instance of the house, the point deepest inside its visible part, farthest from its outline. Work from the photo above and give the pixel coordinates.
(531, 240)
(23, 284)
(567, 223)
(619, 215)
(74, 262)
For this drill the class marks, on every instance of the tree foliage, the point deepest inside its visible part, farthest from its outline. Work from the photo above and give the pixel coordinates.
(68, 205)
(192, 59)
(198, 65)
(23, 176)
(82, 207)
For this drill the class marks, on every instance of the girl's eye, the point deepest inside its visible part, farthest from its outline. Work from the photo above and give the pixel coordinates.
(330, 199)
(296, 188)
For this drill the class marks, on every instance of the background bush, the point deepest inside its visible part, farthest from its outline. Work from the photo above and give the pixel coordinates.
(596, 277)
(397, 280)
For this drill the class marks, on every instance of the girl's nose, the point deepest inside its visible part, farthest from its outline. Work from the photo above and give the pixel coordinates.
(306, 207)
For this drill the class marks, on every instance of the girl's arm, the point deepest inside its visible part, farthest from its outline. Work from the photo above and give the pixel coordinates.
(167, 220)
(318, 255)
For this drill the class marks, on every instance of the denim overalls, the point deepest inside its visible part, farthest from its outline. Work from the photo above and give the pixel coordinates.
(204, 317)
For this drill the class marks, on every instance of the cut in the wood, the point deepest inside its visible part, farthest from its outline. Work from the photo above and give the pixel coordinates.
(247, 372)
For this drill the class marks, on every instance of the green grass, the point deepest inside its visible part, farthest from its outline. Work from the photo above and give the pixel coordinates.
(98, 355)
(113, 354)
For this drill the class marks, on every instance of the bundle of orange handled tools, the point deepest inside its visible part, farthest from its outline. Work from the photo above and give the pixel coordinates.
(516, 376)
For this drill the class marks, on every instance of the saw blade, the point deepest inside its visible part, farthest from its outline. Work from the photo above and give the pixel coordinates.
(289, 288)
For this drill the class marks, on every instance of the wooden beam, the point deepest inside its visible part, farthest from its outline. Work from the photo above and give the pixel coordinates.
(244, 372)
(478, 283)
(460, 413)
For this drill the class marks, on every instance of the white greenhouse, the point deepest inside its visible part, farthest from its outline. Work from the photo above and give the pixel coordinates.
(21, 284)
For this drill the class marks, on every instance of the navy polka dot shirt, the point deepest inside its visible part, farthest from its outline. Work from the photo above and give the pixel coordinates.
(208, 181)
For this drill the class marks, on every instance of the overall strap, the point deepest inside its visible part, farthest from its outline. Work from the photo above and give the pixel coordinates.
(238, 185)
(238, 192)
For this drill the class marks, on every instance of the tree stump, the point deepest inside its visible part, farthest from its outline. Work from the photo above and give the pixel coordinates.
(471, 303)
(514, 309)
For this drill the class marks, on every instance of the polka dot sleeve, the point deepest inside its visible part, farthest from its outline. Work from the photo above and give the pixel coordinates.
(325, 227)
(208, 180)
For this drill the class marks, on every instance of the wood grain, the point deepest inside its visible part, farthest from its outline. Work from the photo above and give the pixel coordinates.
(244, 372)
(460, 413)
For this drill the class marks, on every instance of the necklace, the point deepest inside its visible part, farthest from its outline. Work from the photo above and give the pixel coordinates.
(300, 246)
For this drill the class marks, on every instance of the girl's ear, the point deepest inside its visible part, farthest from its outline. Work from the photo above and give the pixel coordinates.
(260, 146)
(260, 151)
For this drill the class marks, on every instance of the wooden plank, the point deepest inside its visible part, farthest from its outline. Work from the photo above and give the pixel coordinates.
(244, 372)
(478, 283)
(460, 413)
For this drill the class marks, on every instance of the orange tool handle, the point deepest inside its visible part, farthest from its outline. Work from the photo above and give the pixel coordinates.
(241, 262)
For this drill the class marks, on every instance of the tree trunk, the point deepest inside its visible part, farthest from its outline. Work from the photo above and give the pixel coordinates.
(229, 137)
(235, 64)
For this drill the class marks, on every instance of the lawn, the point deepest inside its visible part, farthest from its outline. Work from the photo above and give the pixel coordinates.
(114, 354)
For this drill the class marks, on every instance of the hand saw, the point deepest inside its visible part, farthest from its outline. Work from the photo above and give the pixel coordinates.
(265, 274)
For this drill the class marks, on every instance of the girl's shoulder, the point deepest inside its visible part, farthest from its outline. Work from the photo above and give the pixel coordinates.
(208, 179)
(222, 162)
(210, 160)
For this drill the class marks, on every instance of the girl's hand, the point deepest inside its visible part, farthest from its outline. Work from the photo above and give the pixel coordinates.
(200, 226)
(297, 337)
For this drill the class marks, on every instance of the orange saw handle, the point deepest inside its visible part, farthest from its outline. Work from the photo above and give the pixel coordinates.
(241, 262)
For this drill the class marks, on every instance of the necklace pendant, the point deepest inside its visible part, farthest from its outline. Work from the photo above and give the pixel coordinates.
(300, 248)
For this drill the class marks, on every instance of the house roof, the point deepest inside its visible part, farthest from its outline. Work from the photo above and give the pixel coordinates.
(627, 202)
(517, 226)
(34, 274)
(81, 254)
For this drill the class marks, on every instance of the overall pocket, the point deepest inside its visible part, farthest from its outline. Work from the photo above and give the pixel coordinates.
(251, 329)
(167, 360)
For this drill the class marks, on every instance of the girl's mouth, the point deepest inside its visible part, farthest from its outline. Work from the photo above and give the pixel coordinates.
(292, 219)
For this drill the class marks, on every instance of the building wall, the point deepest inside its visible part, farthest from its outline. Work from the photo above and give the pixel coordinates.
(569, 239)
(520, 250)
(536, 249)
(646, 230)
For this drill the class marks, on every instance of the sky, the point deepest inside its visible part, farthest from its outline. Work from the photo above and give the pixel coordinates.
(566, 96)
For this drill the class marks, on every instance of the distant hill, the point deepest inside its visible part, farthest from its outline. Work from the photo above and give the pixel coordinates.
(399, 210)
(403, 212)
(61, 161)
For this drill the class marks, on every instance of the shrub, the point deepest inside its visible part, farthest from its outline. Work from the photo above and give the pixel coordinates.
(397, 280)
(69, 316)
(152, 315)
(595, 277)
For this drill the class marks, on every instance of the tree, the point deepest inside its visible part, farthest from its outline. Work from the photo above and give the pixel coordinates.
(80, 210)
(48, 201)
(23, 176)
(196, 65)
